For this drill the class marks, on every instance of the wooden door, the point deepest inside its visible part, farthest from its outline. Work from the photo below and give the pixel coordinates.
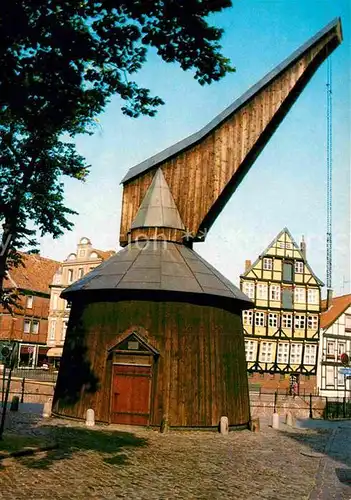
(131, 387)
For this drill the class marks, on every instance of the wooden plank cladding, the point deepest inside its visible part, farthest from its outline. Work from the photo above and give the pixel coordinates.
(197, 374)
(204, 170)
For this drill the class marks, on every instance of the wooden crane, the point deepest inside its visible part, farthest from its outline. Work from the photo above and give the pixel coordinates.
(203, 170)
(155, 333)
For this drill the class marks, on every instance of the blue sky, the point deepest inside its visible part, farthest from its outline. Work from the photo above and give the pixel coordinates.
(287, 184)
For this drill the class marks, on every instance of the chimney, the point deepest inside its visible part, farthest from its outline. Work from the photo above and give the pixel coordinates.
(247, 265)
(329, 297)
(303, 247)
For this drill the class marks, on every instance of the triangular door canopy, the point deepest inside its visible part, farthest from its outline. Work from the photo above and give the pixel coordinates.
(158, 208)
(134, 342)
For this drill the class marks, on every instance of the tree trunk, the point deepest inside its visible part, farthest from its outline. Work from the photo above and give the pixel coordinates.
(4, 253)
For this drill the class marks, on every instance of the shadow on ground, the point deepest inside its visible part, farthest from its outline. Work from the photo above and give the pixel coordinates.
(318, 444)
(112, 445)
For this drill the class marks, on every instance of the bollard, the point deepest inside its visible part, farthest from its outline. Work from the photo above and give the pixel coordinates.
(47, 408)
(90, 418)
(14, 403)
(289, 419)
(224, 426)
(164, 425)
(254, 425)
(275, 421)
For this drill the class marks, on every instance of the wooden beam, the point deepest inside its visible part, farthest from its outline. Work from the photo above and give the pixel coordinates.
(204, 170)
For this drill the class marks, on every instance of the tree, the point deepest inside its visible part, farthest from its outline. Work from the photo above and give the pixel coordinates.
(61, 61)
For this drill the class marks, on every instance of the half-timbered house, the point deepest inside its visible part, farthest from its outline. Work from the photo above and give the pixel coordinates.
(335, 342)
(282, 331)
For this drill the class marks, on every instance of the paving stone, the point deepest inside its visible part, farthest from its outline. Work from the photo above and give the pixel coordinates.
(115, 462)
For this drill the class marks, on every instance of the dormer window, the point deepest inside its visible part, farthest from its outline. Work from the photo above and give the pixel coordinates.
(94, 255)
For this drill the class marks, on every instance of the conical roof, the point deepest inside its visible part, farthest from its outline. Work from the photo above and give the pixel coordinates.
(158, 266)
(158, 208)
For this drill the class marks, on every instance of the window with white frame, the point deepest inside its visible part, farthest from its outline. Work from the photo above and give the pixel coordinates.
(273, 320)
(35, 327)
(266, 352)
(312, 296)
(259, 318)
(295, 354)
(287, 321)
(26, 326)
(54, 301)
(283, 244)
(298, 266)
(250, 350)
(70, 275)
(310, 354)
(312, 322)
(29, 301)
(64, 329)
(341, 379)
(329, 372)
(249, 289)
(283, 353)
(348, 321)
(262, 291)
(330, 348)
(341, 348)
(267, 264)
(299, 295)
(247, 317)
(274, 292)
(299, 321)
(52, 329)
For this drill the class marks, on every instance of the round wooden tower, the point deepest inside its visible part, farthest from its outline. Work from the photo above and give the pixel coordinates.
(155, 332)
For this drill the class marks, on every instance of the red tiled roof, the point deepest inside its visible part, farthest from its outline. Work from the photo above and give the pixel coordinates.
(104, 254)
(35, 276)
(339, 305)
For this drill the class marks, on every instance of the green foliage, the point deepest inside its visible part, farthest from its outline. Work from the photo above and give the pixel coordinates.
(60, 62)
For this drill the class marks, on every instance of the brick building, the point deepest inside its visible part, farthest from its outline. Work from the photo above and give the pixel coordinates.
(29, 325)
(282, 331)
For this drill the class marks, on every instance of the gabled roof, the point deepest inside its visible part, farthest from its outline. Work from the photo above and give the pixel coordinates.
(158, 208)
(180, 146)
(265, 251)
(337, 308)
(36, 276)
(158, 266)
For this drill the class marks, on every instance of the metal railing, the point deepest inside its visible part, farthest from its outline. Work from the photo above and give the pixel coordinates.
(35, 374)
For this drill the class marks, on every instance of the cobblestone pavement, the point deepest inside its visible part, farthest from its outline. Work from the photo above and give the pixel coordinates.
(333, 479)
(115, 462)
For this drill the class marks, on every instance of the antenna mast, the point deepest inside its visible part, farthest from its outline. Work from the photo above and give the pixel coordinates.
(329, 176)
